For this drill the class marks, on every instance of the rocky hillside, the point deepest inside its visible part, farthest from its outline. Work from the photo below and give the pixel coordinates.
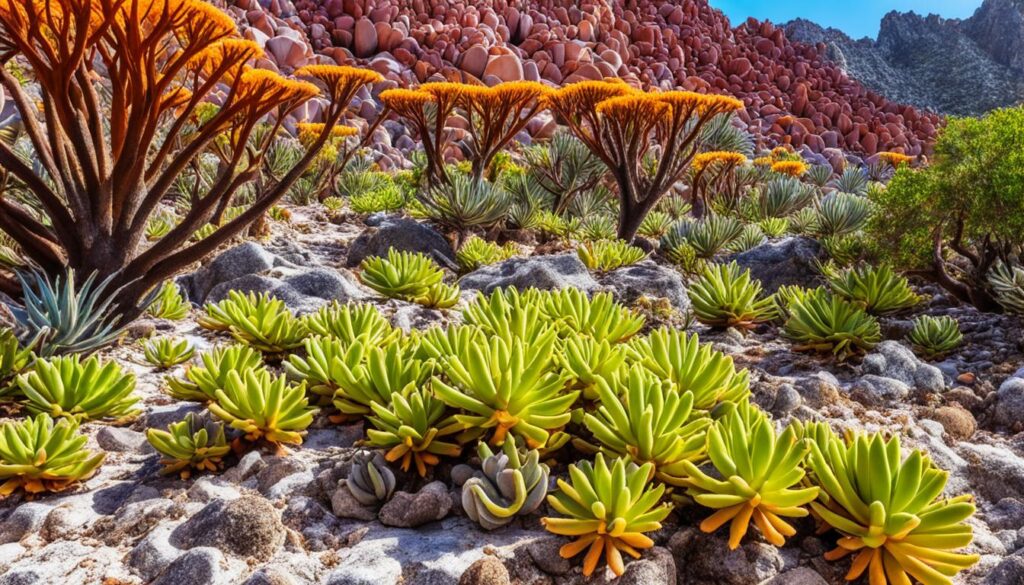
(793, 92)
(943, 65)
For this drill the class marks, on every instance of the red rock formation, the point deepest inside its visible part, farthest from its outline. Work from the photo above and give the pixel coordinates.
(793, 94)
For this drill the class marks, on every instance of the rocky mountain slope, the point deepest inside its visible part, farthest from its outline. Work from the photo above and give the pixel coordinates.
(793, 92)
(944, 65)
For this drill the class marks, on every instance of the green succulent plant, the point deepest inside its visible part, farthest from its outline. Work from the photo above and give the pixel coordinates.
(14, 359)
(511, 483)
(597, 316)
(80, 390)
(823, 322)
(676, 248)
(935, 337)
(264, 407)
(169, 304)
(510, 313)
(588, 360)
(507, 386)
(412, 427)
(167, 352)
(599, 227)
(887, 509)
(756, 475)
(62, 317)
(842, 213)
(712, 234)
(1007, 284)
(852, 180)
(804, 221)
(675, 206)
(656, 224)
(751, 237)
(783, 196)
(818, 175)
(370, 481)
(440, 296)
(159, 225)
(877, 290)
(402, 275)
(647, 420)
(477, 252)
(189, 445)
(266, 325)
(607, 510)
(350, 321)
(202, 381)
(691, 367)
(774, 227)
(39, 456)
(463, 202)
(845, 250)
(784, 297)
(725, 295)
(607, 255)
(385, 198)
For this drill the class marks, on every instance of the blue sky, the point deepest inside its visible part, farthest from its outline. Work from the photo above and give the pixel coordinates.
(857, 19)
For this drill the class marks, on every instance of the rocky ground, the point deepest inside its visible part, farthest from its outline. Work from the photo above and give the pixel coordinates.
(279, 520)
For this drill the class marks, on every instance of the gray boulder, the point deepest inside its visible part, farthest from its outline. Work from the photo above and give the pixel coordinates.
(647, 279)
(26, 518)
(892, 359)
(303, 290)
(242, 260)
(706, 558)
(788, 261)
(1008, 572)
(798, 576)
(543, 272)
(401, 234)
(247, 527)
(875, 390)
(1008, 409)
(199, 566)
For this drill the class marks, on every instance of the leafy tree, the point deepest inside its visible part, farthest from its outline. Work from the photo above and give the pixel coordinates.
(956, 219)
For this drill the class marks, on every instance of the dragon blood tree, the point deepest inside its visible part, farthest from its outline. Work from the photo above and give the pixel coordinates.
(496, 114)
(131, 92)
(647, 140)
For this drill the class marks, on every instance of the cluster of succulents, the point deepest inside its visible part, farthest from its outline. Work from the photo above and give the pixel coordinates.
(607, 255)
(409, 276)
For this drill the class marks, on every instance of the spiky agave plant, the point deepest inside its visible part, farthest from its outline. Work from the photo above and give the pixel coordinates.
(68, 387)
(691, 367)
(169, 304)
(507, 386)
(511, 483)
(823, 322)
(63, 318)
(202, 381)
(608, 255)
(189, 445)
(167, 352)
(598, 316)
(1007, 284)
(412, 427)
(264, 407)
(402, 275)
(888, 511)
(876, 289)
(758, 472)
(647, 420)
(40, 456)
(349, 321)
(934, 337)
(725, 295)
(608, 509)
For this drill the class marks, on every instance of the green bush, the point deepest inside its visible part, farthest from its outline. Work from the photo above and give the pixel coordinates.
(954, 220)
